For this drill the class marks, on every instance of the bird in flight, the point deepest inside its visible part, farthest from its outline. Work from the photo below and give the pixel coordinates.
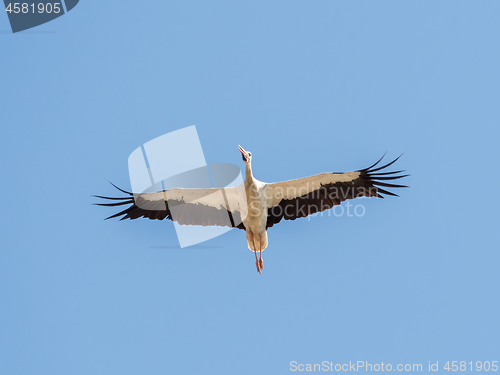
(256, 206)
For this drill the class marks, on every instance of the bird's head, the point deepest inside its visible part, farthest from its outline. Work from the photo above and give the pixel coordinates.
(245, 155)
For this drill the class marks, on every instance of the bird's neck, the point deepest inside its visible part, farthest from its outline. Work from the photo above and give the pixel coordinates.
(248, 173)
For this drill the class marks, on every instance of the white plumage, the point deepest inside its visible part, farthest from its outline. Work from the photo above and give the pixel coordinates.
(254, 205)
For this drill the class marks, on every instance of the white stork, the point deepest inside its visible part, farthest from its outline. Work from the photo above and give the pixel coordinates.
(255, 206)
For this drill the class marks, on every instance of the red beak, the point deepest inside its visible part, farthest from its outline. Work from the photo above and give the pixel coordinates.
(243, 152)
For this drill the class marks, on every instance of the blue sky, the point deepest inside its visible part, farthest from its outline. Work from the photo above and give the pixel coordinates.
(307, 87)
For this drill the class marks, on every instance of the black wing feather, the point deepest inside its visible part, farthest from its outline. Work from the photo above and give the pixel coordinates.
(190, 215)
(366, 185)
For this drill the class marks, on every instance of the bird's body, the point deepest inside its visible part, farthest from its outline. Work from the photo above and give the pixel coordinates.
(256, 219)
(255, 206)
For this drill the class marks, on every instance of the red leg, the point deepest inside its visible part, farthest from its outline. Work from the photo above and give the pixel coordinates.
(257, 263)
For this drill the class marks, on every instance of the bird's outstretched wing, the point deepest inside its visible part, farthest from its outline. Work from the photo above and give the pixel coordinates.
(293, 199)
(205, 207)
